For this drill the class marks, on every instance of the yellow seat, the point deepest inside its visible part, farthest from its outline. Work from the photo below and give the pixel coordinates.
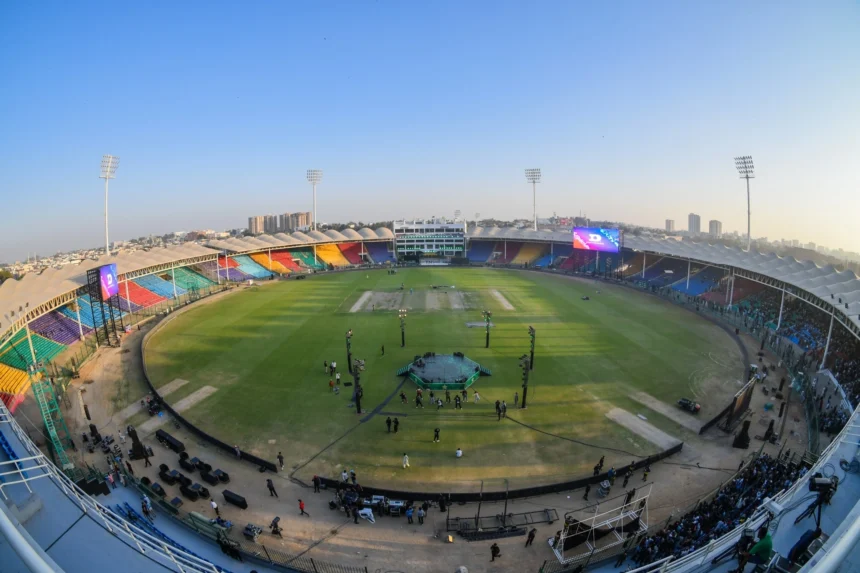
(264, 261)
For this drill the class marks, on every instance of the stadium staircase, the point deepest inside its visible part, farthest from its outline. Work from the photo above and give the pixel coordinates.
(352, 252)
(529, 252)
(58, 327)
(285, 259)
(332, 255)
(480, 251)
(269, 263)
(379, 252)
(249, 267)
(52, 417)
(159, 286)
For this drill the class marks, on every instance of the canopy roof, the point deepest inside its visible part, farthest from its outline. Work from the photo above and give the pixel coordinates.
(17, 296)
(298, 239)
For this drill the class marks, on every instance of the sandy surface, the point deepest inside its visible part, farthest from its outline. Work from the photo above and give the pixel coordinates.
(456, 300)
(502, 300)
(674, 413)
(642, 428)
(359, 304)
(384, 301)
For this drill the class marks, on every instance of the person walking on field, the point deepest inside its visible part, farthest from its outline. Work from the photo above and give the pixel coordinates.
(215, 508)
(516, 399)
(331, 385)
(457, 404)
(477, 397)
(337, 378)
(421, 514)
(325, 366)
(281, 459)
(627, 478)
(645, 473)
(403, 399)
(587, 489)
(396, 424)
(271, 486)
(317, 481)
(388, 423)
(447, 396)
(436, 435)
(504, 409)
(409, 512)
(128, 465)
(531, 537)
(383, 350)
(405, 461)
(302, 509)
(495, 551)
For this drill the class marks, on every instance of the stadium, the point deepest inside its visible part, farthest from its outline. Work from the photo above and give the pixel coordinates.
(720, 383)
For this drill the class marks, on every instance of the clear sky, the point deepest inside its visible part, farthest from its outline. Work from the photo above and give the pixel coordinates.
(633, 110)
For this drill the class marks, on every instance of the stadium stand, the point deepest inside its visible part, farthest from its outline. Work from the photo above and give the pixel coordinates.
(249, 267)
(58, 327)
(270, 264)
(159, 286)
(480, 251)
(544, 261)
(379, 252)
(528, 253)
(12, 401)
(632, 264)
(12, 382)
(508, 250)
(188, 279)
(127, 306)
(139, 295)
(701, 281)
(332, 255)
(286, 260)
(306, 257)
(16, 353)
(86, 312)
(352, 252)
(666, 271)
(227, 262)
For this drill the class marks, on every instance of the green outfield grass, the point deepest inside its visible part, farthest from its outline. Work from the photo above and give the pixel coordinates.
(263, 349)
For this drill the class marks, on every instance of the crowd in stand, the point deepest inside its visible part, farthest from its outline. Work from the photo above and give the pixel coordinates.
(732, 506)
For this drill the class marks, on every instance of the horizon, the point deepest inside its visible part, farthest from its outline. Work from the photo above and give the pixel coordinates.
(634, 113)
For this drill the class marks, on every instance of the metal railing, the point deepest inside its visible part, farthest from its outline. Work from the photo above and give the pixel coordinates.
(144, 542)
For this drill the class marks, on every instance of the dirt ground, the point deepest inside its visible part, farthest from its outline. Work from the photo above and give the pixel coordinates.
(502, 300)
(113, 380)
(642, 428)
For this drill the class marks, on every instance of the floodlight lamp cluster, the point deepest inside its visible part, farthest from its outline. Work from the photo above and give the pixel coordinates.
(533, 175)
(314, 176)
(109, 165)
(744, 164)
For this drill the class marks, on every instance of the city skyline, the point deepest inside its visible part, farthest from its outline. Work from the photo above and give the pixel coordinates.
(637, 117)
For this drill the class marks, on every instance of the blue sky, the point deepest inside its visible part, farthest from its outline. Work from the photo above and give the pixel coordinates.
(634, 111)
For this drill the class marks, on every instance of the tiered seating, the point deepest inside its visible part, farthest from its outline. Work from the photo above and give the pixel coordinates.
(159, 286)
(657, 274)
(12, 401)
(227, 262)
(6, 448)
(58, 327)
(544, 261)
(188, 279)
(332, 255)
(633, 264)
(528, 253)
(264, 261)
(16, 352)
(509, 251)
(567, 263)
(12, 381)
(285, 259)
(127, 307)
(139, 295)
(480, 251)
(307, 258)
(352, 252)
(702, 281)
(379, 252)
(249, 267)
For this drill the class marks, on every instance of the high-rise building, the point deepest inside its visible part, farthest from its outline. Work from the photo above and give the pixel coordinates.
(300, 221)
(670, 225)
(284, 223)
(715, 228)
(270, 223)
(257, 225)
(694, 224)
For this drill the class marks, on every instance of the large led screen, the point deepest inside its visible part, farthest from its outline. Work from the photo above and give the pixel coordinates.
(109, 283)
(596, 239)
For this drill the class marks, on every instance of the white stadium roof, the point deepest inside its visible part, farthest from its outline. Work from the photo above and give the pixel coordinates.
(17, 297)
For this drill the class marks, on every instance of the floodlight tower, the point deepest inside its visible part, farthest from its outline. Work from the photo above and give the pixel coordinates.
(109, 165)
(402, 315)
(744, 163)
(314, 177)
(487, 316)
(533, 177)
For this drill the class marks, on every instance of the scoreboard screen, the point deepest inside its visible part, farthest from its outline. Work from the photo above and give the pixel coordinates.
(597, 239)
